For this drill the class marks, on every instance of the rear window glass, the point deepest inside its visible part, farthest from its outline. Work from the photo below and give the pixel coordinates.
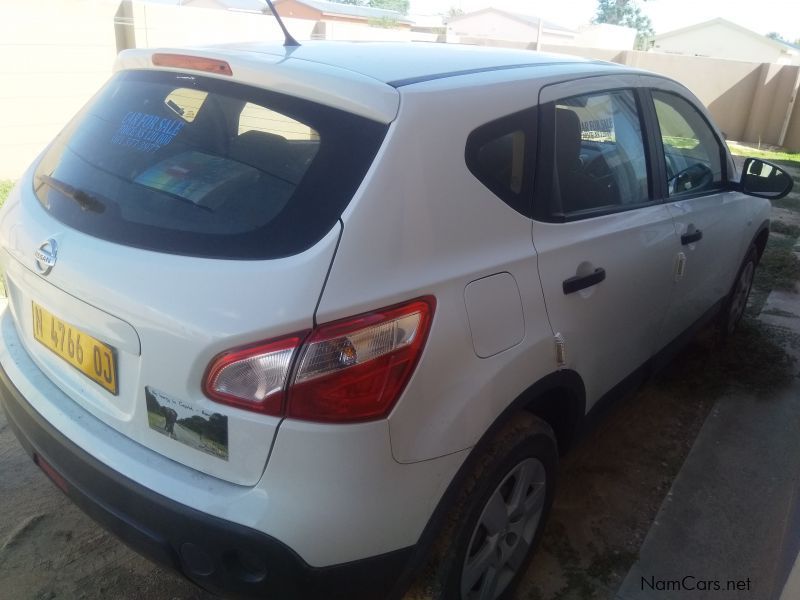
(191, 165)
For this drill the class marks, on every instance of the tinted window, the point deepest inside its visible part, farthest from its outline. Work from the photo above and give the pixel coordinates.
(599, 152)
(692, 152)
(500, 155)
(199, 166)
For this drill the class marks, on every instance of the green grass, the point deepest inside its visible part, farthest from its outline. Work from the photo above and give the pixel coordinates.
(5, 189)
(792, 231)
(771, 154)
(156, 421)
(779, 268)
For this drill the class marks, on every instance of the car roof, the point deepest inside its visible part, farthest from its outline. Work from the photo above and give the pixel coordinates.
(360, 77)
(403, 63)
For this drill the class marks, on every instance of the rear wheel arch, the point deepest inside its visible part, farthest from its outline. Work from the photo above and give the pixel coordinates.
(562, 406)
(559, 399)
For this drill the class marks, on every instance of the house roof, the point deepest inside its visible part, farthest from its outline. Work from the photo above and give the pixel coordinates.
(783, 46)
(243, 5)
(526, 19)
(352, 10)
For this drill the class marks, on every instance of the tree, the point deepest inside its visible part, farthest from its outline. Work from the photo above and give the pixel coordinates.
(627, 13)
(774, 35)
(401, 6)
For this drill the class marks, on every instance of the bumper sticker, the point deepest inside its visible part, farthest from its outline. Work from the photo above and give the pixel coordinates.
(199, 429)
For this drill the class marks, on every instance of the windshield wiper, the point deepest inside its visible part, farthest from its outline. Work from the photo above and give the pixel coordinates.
(85, 200)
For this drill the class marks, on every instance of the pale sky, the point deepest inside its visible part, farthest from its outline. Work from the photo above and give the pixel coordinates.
(761, 16)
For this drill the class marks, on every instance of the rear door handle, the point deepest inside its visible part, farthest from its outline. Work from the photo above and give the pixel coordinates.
(690, 238)
(580, 282)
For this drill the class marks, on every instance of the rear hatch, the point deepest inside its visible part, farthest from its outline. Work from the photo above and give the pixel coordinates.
(176, 217)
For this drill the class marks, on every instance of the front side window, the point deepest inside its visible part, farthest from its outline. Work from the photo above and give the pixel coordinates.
(204, 167)
(600, 161)
(692, 152)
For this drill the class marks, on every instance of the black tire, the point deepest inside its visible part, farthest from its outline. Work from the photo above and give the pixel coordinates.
(520, 448)
(736, 302)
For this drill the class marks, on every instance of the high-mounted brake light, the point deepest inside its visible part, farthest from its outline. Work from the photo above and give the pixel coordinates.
(346, 371)
(193, 63)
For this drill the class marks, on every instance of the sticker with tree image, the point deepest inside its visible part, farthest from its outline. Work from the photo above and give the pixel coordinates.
(180, 421)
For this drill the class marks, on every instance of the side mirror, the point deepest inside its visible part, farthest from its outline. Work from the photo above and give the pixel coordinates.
(764, 180)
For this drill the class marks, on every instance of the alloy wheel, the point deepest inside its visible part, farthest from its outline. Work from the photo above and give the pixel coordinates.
(503, 536)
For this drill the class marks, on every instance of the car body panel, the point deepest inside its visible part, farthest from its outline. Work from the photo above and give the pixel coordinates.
(161, 309)
(612, 328)
(463, 232)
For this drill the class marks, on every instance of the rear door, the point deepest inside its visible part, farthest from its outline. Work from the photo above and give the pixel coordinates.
(606, 246)
(709, 217)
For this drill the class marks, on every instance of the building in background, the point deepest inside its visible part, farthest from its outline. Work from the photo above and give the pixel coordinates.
(720, 38)
(492, 26)
(250, 6)
(495, 27)
(326, 12)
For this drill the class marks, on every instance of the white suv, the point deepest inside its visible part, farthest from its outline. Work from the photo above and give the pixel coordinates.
(297, 321)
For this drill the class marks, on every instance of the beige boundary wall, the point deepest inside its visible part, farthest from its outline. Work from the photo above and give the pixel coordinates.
(751, 102)
(54, 54)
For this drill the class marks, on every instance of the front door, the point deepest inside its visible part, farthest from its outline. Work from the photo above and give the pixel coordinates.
(708, 216)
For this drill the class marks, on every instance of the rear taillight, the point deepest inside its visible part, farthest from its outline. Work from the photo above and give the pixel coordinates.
(346, 371)
(253, 377)
(356, 369)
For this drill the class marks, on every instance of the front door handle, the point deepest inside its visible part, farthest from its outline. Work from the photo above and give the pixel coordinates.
(690, 238)
(580, 282)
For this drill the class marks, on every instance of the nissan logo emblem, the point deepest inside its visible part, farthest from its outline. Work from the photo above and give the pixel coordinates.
(45, 256)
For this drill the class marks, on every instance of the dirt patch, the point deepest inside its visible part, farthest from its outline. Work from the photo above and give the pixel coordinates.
(50, 550)
(612, 485)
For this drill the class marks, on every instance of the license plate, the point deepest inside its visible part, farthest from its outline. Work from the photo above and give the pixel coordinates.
(90, 356)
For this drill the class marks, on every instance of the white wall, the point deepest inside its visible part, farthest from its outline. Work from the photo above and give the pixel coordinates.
(496, 26)
(159, 25)
(717, 40)
(53, 55)
(342, 30)
(606, 37)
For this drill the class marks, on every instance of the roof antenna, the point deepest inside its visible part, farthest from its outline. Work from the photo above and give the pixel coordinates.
(288, 40)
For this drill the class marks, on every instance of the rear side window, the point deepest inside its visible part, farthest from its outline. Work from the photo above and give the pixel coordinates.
(500, 155)
(198, 166)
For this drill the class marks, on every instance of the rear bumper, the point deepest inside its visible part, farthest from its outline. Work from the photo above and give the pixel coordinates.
(216, 554)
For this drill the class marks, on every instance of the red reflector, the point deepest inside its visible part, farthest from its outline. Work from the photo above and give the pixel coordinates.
(54, 475)
(193, 63)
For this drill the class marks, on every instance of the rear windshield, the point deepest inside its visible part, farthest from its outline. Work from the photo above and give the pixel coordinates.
(192, 165)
